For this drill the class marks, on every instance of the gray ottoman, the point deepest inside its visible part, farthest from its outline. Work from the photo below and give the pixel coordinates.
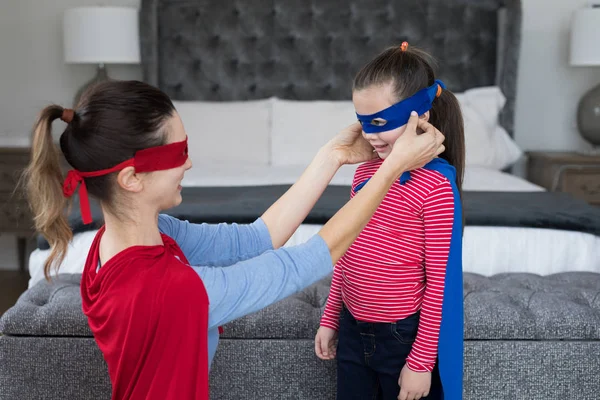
(526, 337)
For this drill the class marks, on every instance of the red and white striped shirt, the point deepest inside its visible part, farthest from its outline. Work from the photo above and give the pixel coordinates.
(397, 265)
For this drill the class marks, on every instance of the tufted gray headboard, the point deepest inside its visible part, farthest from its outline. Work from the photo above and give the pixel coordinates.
(225, 50)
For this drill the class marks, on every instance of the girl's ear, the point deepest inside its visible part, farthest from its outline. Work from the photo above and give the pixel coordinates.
(425, 116)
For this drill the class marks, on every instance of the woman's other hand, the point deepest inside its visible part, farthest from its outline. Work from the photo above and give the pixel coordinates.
(350, 147)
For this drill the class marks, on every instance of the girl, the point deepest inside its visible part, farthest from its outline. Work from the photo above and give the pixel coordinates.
(395, 306)
(155, 289)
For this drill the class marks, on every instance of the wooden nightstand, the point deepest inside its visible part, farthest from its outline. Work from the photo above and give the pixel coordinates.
(15, 216)
(569, 172)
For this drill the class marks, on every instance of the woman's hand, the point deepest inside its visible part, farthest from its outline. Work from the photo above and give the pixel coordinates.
(350, 147)
(412, 150)
(413, 385)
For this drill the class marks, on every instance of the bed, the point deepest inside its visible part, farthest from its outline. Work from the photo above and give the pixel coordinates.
(250, 81)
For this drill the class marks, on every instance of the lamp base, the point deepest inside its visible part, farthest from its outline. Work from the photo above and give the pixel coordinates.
(588, 116)
(101, 76)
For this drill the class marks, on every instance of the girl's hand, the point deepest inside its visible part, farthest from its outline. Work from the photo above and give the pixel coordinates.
(326, 343)
(350, 147)
(413, 385)
(412, 150)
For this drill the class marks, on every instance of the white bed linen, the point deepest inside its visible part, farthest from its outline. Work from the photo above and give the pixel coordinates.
(492, 250)
(486, 250)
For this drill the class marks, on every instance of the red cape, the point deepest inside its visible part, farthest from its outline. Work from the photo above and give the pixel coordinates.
(148, 311)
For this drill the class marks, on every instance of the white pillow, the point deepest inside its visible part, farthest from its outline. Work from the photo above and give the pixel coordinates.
(487, 143)
(506, 150)
(478, 141)
(300, 128)
(488, 102)
(227, 132)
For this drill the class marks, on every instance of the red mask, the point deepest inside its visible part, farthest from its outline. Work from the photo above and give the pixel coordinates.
(156, 158)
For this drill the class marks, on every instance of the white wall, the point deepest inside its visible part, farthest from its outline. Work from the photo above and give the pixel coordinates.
(32, 73)
(548, 87)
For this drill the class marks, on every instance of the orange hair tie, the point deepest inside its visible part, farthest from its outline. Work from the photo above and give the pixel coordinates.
(439, 91)
(67, 115)
(404, 46)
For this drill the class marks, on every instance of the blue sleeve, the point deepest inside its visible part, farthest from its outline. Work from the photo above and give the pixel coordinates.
(252, 285)
(217, 244)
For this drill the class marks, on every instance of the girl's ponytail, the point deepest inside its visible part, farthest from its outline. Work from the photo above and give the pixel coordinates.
(44, 181)
(446, 115)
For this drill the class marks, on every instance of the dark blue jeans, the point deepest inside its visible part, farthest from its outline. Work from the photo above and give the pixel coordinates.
(370, 357)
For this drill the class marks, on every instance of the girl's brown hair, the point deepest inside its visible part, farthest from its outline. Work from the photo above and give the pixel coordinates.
(113, 121)
(409, 70)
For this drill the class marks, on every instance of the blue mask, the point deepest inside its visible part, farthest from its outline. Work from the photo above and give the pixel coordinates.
(399, 113)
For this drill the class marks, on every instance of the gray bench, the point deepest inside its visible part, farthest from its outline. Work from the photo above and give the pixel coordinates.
(526, 337)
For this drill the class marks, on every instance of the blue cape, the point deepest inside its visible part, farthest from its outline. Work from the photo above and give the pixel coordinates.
(450, 342)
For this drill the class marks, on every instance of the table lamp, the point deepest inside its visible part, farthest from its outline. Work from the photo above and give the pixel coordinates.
(585, 51)
(100, 35)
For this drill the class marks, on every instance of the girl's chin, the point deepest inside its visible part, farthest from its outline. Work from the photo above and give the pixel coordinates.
(383, 154)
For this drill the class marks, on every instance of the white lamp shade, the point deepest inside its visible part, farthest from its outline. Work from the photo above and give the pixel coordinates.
(101, 35)
(585, 37)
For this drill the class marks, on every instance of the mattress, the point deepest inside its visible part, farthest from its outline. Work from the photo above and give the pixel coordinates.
(487, 250)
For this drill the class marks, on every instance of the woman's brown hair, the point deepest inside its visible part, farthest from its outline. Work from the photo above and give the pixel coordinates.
(409, 70)
(113, 121)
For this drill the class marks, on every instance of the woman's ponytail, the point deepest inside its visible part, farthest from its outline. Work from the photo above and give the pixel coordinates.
(44, 181)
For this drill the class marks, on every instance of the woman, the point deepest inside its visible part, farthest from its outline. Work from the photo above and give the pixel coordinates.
(156, 289)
